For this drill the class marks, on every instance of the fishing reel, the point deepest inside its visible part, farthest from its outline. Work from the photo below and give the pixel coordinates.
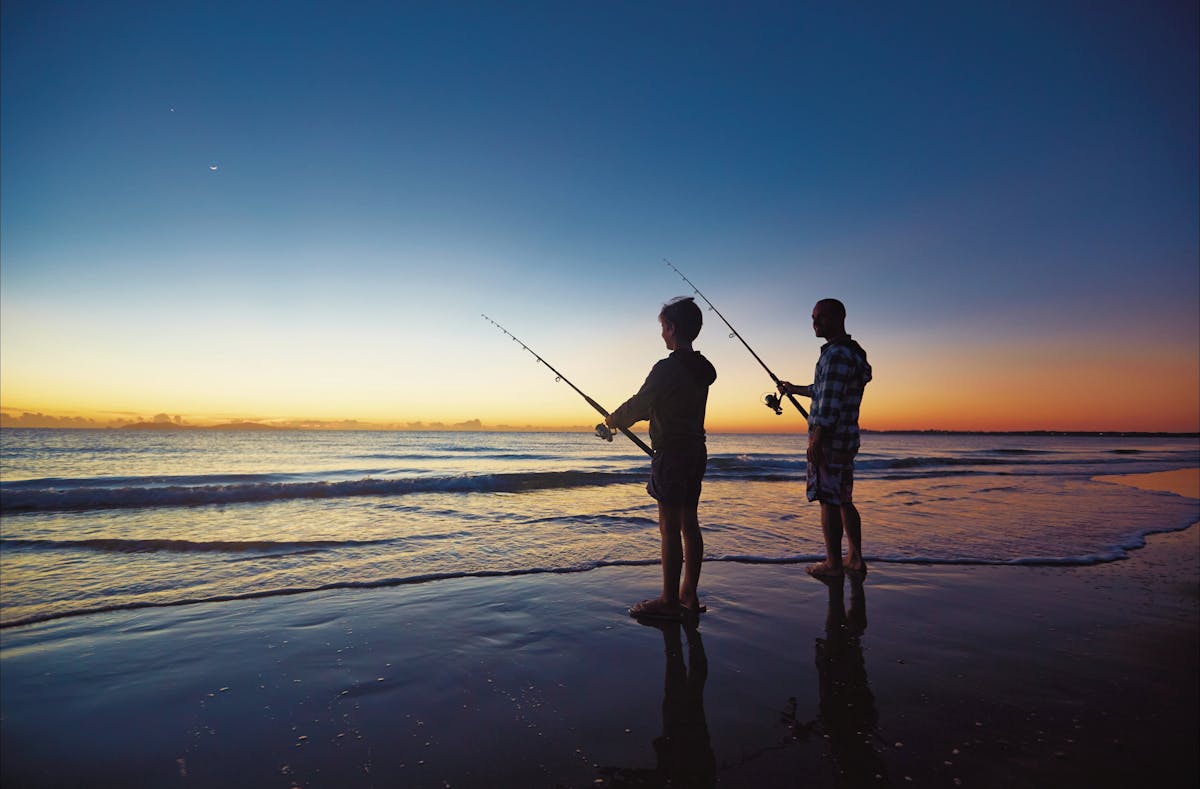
(605, 432)
(774, 402)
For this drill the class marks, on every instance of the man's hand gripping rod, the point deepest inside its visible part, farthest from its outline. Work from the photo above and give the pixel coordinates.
(602, 430)
(771, 400)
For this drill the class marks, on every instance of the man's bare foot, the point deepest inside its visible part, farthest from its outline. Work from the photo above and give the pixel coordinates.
(824, 570)
(854, 567)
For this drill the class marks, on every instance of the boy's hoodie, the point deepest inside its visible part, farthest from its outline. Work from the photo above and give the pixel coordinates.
(673, 398)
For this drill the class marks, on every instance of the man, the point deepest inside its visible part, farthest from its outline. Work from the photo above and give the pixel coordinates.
(837, 389)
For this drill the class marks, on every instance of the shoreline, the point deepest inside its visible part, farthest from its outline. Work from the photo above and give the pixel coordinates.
(1126, 552)
(933, 676)
(1183, 482)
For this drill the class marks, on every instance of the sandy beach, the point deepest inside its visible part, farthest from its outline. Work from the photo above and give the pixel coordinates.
(922, 676)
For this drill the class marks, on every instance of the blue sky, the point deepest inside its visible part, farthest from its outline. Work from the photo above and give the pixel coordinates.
(1004, 194)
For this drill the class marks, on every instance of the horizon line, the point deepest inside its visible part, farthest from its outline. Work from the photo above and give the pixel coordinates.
(251, 426)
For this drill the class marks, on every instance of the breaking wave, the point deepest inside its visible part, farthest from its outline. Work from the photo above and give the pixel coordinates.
(81, 496)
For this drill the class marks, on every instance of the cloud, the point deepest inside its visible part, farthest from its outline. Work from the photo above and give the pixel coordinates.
(38, 419)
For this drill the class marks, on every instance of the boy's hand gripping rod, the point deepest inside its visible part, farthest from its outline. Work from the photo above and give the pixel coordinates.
(602, 430)
(771, 400)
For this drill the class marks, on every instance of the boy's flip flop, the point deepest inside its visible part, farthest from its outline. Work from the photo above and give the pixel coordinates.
(823, 570)
(654, 610)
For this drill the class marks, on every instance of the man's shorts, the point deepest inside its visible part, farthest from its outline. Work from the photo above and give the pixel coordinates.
(676, 475)
(831, 483)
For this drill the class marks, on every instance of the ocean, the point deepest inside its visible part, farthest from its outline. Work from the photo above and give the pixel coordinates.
(100, 520)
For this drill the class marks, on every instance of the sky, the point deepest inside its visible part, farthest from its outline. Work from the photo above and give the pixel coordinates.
(297, 212)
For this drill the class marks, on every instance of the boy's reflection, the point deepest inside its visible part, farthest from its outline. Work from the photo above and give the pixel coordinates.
(847, 715)
(685, 755)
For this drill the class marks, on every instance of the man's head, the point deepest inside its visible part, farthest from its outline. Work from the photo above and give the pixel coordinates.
(681, 321)
(829, 319)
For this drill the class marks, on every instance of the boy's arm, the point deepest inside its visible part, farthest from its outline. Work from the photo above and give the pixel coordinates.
(637, 408)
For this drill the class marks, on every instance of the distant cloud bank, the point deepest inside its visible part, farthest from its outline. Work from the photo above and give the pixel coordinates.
(164, 421)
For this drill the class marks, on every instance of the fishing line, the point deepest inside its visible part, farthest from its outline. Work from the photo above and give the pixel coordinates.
(771, 401)
(602, 430)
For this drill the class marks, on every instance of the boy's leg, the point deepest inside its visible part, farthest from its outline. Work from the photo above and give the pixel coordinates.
(669, 517)
(666, 605)
(693, 555)
(675, 484)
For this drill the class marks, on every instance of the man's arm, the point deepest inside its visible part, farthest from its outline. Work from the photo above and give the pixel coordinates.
(788, 388)
(816, 438)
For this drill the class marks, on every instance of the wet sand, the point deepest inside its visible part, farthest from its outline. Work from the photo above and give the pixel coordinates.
(1184, 481)
(922, 676)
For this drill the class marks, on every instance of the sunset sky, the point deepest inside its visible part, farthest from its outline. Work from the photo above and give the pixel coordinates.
(285, 211)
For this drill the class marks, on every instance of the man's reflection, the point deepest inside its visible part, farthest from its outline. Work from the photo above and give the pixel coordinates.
(847, 715)
(685, 755)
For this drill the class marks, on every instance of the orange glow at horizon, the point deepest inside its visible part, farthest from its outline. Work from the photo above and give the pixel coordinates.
(920, 383)
(978, 404)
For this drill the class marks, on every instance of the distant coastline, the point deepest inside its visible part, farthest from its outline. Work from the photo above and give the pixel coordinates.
(477, 428)
(171, 426)
(1052, 433)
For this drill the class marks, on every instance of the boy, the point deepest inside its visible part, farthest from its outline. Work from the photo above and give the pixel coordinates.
(673, 398)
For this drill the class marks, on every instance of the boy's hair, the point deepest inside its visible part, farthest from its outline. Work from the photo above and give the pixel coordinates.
(684, 315)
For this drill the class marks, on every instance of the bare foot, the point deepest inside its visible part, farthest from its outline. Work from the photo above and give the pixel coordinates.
(824, 570)
(854, 567)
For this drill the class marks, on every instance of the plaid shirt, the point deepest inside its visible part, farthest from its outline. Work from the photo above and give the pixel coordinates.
(841, 376)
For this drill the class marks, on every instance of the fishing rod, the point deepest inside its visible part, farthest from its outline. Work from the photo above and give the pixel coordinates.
(771, 400)
(602, 430)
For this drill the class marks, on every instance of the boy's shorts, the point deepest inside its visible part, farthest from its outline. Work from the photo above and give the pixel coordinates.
(831, 483)
(676, 475)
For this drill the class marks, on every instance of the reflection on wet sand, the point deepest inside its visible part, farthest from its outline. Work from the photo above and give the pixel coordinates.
(847, 717)
(685, 754)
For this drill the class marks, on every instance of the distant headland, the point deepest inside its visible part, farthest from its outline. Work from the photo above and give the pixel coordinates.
(174, 426)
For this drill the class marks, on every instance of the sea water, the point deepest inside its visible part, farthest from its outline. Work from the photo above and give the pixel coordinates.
(97, 520)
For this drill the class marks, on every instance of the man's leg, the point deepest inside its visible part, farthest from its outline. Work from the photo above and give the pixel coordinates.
(854, 562)
(824, 486)
(853, 525)
(831, 528)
